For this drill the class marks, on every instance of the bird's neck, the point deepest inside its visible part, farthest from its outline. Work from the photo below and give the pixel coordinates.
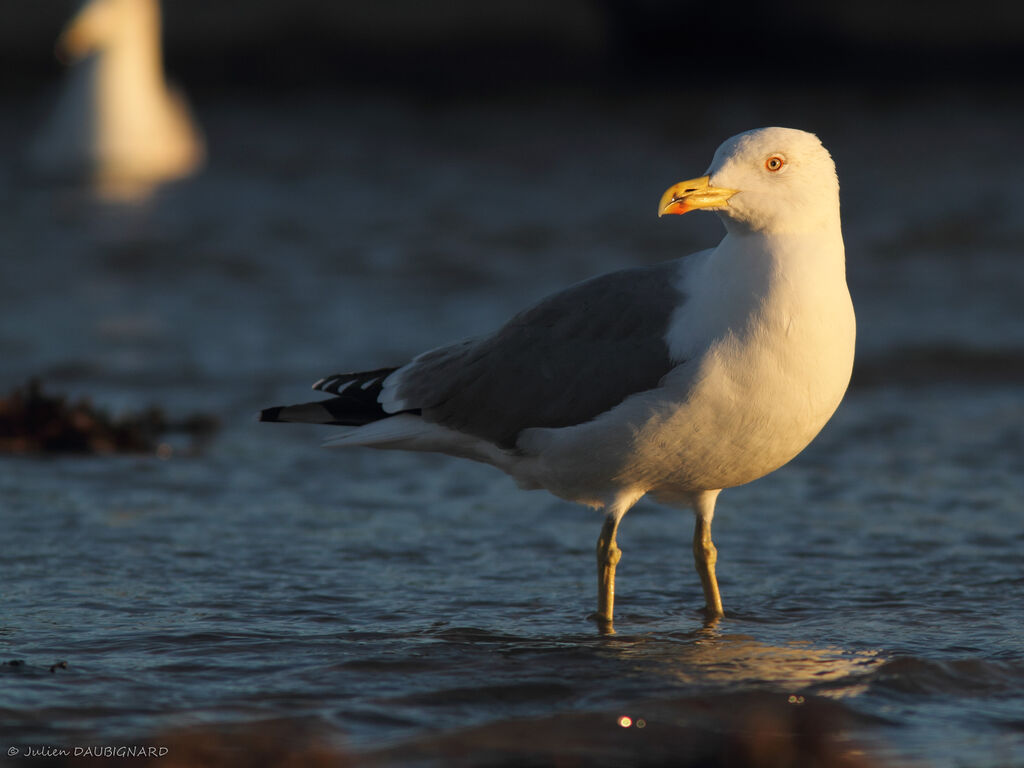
(809, 249)
(131, 68)
(806, 264)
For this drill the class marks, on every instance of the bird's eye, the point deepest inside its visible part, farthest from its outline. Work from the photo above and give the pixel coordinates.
(774, 163)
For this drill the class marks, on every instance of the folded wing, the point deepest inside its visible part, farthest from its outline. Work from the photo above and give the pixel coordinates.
(562, 362)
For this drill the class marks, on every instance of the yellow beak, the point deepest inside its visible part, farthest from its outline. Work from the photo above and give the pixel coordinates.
(692, 194)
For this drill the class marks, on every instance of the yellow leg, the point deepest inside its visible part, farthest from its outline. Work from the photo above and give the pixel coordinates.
(608, 554)
(705, 555)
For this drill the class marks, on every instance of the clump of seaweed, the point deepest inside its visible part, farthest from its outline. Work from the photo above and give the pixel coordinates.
(33, 422)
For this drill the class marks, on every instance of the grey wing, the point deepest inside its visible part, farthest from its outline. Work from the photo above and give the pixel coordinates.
(562, 362)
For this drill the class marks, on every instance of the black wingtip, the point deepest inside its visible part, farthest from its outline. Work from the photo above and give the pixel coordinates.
(271, 414)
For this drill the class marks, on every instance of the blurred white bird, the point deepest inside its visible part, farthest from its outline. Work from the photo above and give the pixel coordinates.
(117, 124)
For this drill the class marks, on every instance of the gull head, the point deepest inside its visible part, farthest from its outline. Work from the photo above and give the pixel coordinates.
(104, 24)
(769, 180)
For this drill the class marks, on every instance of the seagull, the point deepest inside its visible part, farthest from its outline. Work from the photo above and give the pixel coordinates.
(675, 380)
(117, 123)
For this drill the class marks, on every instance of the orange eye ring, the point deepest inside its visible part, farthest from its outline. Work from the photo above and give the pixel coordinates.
(774, 163)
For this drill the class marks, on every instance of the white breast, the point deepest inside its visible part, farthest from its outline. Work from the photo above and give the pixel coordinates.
(765, 341)
(771, 331)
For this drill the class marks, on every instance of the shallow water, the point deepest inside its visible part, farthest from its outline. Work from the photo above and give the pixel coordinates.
(388, 596)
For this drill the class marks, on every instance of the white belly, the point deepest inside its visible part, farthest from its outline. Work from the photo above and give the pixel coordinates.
(753, 407)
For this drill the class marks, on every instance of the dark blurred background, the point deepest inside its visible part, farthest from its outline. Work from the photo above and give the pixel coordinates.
(464, 45)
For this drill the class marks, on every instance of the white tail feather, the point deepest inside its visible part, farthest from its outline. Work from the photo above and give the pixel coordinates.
(411, 433)
(381, 433)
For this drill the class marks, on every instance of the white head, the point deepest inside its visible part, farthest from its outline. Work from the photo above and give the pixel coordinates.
(103, 25)
(770, 180)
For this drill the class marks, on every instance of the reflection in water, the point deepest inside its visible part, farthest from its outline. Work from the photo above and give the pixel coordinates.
(711, 658)
(117, 124)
